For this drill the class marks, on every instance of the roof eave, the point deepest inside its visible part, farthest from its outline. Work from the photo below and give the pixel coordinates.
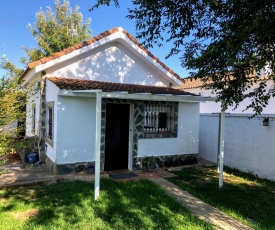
(135, 96)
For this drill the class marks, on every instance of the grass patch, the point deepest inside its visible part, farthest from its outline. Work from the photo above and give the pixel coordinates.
(243, 196)
(122, 205)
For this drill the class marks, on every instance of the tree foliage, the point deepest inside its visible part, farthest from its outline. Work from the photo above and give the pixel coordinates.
(12, 112)
(223, 41)
(55, 31)
(12, 98)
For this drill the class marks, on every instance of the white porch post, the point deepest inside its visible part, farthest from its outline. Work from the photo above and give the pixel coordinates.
(221, 148)
(97, 144)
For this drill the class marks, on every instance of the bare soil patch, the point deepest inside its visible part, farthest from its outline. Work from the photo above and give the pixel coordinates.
(26, 214)
(11, 159)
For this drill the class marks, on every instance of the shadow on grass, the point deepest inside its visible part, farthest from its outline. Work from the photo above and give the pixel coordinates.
(243, 195)
(122, 205)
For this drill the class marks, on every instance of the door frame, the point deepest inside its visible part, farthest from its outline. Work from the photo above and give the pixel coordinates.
(131, 134)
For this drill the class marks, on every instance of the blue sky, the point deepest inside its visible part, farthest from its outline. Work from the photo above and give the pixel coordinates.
(15, 15)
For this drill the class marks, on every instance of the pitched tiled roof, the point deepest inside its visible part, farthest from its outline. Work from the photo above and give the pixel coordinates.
(76, 84)
(191, 83)
(93, 40)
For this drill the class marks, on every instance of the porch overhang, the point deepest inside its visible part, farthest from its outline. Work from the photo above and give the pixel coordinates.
(135, 96)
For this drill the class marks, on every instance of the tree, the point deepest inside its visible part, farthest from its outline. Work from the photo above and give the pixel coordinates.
(11, 96)
(12, 108)
(222, 41)
(53, 32)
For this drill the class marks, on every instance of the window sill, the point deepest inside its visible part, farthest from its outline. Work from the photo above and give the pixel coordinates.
(156, 132)
(163, 134)
(49, 141)
(30, 137)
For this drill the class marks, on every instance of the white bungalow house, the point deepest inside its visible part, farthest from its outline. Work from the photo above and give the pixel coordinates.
(110, 94)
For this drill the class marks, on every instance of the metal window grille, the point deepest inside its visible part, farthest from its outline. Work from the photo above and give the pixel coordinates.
(158, 118)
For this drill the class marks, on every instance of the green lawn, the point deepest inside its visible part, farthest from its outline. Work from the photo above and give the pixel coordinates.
(122, 205)
(243, 196)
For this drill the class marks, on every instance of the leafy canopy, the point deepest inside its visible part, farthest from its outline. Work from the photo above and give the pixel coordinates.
(222, 41)
(53, 32)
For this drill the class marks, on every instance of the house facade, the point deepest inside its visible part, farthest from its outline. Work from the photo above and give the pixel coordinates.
(142, 114)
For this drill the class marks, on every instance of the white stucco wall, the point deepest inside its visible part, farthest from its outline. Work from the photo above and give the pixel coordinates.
(111, 62)
(75, 137)
(51, 95)
(249, 146)
(186, 141)
(211, 107)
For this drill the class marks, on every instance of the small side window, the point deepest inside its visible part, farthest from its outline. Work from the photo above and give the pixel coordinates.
(49, 123)
(33, 116)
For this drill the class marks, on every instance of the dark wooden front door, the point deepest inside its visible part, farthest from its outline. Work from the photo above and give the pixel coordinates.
(117, 136)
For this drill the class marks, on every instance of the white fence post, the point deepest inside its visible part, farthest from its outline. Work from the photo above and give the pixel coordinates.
(97, 144)
(221, 148)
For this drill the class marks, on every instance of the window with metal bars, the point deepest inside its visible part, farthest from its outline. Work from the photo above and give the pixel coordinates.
(158, 118)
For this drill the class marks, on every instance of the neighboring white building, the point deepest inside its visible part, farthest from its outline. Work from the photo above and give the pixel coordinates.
(248, 145)
(141, 114)
(195, 86)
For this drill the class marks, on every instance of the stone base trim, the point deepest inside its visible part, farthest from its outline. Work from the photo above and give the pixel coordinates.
(73, 168)
(50, 164)
(142, 163)
(167, 161)
(68, 168)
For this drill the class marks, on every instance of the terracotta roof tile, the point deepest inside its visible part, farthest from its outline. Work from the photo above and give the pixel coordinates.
(190, 83)
(58, 54)
(46, 59)
(76, 84)
(92, 40)
(89, 42)
(69, 50)
(79, 46)
(34, 64)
